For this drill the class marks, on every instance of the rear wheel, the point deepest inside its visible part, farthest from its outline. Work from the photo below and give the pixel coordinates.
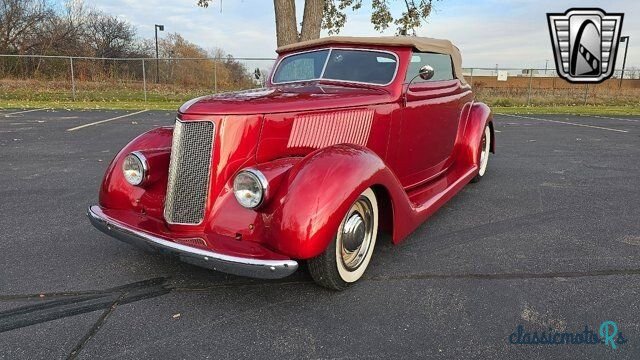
(485, 147)
(348, 255)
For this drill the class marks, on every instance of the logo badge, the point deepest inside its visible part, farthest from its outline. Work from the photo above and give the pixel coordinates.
(585, 43)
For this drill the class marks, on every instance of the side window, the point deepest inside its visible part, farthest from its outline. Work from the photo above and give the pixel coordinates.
(441, 64)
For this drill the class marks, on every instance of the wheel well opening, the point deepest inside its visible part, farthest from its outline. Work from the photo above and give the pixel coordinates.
(492, 144)
(385, 209)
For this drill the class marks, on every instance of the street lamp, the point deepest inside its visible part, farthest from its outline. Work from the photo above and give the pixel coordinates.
(546, 66)
(161, 28)
(625, 40)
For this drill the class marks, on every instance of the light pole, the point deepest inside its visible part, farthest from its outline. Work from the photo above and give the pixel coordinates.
(625, 40)
(161, 28)
(546, 66)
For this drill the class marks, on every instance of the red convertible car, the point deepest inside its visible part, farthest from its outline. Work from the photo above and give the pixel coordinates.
(350, 137)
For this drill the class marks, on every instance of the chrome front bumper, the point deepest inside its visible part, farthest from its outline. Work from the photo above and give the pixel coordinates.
(257, 268)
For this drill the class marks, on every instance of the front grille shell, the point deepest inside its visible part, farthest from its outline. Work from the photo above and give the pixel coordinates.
(189, 172)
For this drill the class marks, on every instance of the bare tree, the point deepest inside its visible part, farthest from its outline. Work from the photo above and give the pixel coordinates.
(108, 36)
(21, 23)
(331, 16)
(64, 33)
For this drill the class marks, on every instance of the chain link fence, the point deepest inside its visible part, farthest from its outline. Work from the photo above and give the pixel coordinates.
(530, 87)
(48, 78)
(58, 78)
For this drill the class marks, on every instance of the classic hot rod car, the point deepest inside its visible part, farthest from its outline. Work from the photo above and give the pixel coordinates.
(350, 136)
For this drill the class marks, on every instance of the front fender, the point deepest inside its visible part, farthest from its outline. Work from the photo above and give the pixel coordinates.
(318, 191)
(117, 193)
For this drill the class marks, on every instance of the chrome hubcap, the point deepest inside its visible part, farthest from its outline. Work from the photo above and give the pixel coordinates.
(484, 150)
(353, 233)
(356, 233)
(483, 154)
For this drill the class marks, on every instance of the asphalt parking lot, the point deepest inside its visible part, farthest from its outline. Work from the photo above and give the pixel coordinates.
(549, 239)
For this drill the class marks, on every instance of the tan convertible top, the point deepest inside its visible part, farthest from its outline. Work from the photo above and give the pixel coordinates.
(419, 43)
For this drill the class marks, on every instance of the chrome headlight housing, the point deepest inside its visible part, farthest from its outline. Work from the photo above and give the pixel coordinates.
(134, 168)
(250, 188)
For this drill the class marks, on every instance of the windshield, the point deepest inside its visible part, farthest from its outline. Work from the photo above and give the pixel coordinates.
(351, 65)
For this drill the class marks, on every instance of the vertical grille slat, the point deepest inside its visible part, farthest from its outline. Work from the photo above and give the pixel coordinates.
(189, 168)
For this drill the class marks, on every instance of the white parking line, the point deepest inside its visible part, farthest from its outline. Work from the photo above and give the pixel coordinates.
(608, 117)
(23, 112)
(566, 123)
(104, 121)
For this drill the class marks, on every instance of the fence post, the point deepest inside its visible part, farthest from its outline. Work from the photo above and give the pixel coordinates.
(73, 79)
(530, 82)
(586, 92)
(144, 81)
(215, 77)
(471, 77)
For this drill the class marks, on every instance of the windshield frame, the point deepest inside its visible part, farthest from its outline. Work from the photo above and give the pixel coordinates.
(324, 67)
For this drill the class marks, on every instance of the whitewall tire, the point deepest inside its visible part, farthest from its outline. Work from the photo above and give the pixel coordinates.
(485, 150)
(347, 256)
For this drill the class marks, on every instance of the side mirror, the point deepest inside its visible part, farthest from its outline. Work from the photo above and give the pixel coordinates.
(426, 72)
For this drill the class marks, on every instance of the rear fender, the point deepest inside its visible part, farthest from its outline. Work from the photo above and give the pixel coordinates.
(479, 117)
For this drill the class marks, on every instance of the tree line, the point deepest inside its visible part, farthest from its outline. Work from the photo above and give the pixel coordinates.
(37, 27)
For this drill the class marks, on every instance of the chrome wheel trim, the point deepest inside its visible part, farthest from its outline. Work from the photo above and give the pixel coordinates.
(485, 146)
(356, 234)
(356, 237)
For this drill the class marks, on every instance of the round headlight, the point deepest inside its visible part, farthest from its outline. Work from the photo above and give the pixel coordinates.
(134, 168)
(249, 187)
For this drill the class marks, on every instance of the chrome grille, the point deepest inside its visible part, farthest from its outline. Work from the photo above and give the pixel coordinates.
(189, 167)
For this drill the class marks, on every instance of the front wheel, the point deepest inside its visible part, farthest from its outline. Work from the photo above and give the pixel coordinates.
(348, 255)
(485, 148)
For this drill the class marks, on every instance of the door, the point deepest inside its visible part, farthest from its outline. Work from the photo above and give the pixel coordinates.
(429, 121)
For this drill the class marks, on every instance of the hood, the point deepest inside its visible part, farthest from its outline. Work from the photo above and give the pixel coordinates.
(289, 98)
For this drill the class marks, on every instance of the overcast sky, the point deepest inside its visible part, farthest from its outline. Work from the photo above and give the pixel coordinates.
(511, 33)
